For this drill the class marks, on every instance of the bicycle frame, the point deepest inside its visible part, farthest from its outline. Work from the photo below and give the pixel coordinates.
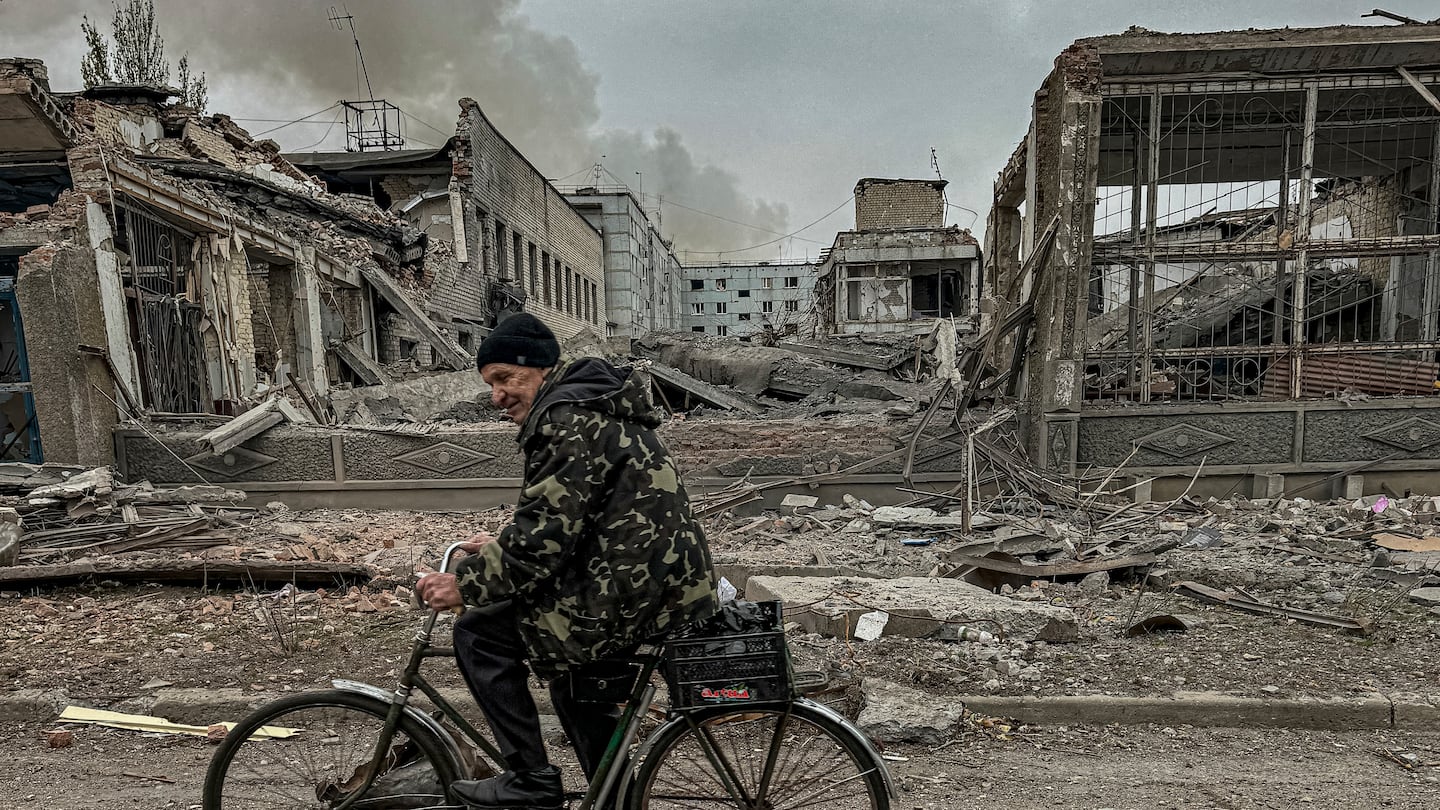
(611, 767)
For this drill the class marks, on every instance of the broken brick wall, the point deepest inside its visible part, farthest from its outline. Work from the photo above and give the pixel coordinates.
(400, 340)
(899, 204)
(505, 189)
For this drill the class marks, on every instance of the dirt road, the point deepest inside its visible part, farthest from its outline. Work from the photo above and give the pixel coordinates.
(1081, 768)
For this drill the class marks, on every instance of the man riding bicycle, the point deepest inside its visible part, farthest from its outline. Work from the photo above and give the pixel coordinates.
(603, 554)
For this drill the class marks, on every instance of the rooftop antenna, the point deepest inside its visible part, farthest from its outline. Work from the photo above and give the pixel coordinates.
(935, 163)
(373, 123)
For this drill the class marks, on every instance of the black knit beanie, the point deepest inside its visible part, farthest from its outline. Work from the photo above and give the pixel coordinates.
(521, 340)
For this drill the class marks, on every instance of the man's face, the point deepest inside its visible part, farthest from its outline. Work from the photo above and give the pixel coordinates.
(513, 388)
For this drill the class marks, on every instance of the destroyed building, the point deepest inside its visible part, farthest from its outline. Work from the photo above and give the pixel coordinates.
(740, 298)
(505, 238)
(901, 267)
(642, 274)
(1218, 253)
(169, 262)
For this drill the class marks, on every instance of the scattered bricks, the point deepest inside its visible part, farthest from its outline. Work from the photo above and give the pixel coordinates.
(898, 714)
(37, 210)
(833, 605)
(215, 733)
(59, 738)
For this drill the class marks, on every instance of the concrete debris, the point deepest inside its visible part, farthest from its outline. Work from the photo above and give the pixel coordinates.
(10, 534)
(925, 518)
(419, 399)
(897, 714)
(89, 514)
(242, 428)
(917, 606)
(1426, 596)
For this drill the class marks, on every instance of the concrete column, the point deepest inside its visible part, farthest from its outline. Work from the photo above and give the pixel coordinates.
(309, 333)
(60, 303)
(1067, 162)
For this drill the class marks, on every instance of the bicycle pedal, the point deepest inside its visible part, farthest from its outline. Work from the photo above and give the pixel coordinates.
(810, 681)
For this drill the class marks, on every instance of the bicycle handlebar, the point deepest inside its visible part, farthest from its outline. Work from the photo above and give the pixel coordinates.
(449, 551)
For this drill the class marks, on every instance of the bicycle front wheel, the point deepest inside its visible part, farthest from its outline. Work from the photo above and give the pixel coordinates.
(327, 762)
(776, 758)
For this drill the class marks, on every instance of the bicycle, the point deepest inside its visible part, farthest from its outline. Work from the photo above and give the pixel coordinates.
(736, 735)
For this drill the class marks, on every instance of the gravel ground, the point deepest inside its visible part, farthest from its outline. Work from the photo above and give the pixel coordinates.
(109, 645)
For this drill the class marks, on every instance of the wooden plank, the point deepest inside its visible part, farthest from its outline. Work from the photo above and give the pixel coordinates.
(364, 366)
(245, 571)
(702, 391)
(450, 353)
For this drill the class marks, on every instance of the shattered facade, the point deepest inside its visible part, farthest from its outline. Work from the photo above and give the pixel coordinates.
(167, 262)
(739, 299)
(901, 267)
(1221, 251)
(501, 238)
(642, 274)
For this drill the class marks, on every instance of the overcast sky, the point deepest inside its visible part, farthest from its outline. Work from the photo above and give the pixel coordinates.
(762, 112)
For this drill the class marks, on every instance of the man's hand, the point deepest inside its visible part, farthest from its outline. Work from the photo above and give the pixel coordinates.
(474, 543)
(440, 592)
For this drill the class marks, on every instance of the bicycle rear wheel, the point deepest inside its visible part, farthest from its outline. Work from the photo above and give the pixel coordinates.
(328, 760)
(775, 758)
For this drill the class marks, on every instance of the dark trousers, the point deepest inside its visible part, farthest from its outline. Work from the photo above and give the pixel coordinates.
(491, 656)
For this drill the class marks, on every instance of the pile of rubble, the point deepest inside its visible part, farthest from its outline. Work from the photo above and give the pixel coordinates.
(87, 514)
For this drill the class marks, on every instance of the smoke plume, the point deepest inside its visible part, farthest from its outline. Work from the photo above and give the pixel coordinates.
(277, 59)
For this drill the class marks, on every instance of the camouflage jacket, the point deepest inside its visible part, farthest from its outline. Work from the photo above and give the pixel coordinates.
(603, 551)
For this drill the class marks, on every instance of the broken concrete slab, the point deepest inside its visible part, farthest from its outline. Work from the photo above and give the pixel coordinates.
(703, 391)
(1426, 596)
(242, 428)
(919, 516)
(918, 606)
(447, 351)
(899, 714)
(357, 360)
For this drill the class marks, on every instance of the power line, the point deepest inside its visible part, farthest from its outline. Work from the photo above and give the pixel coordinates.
(333, 122)
(438, 131)
(297, 120)
(824, 217)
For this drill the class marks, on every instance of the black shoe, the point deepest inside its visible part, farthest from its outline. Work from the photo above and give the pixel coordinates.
(533, 790)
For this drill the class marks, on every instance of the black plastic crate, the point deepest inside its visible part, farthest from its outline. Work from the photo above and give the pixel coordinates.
(717, 666)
